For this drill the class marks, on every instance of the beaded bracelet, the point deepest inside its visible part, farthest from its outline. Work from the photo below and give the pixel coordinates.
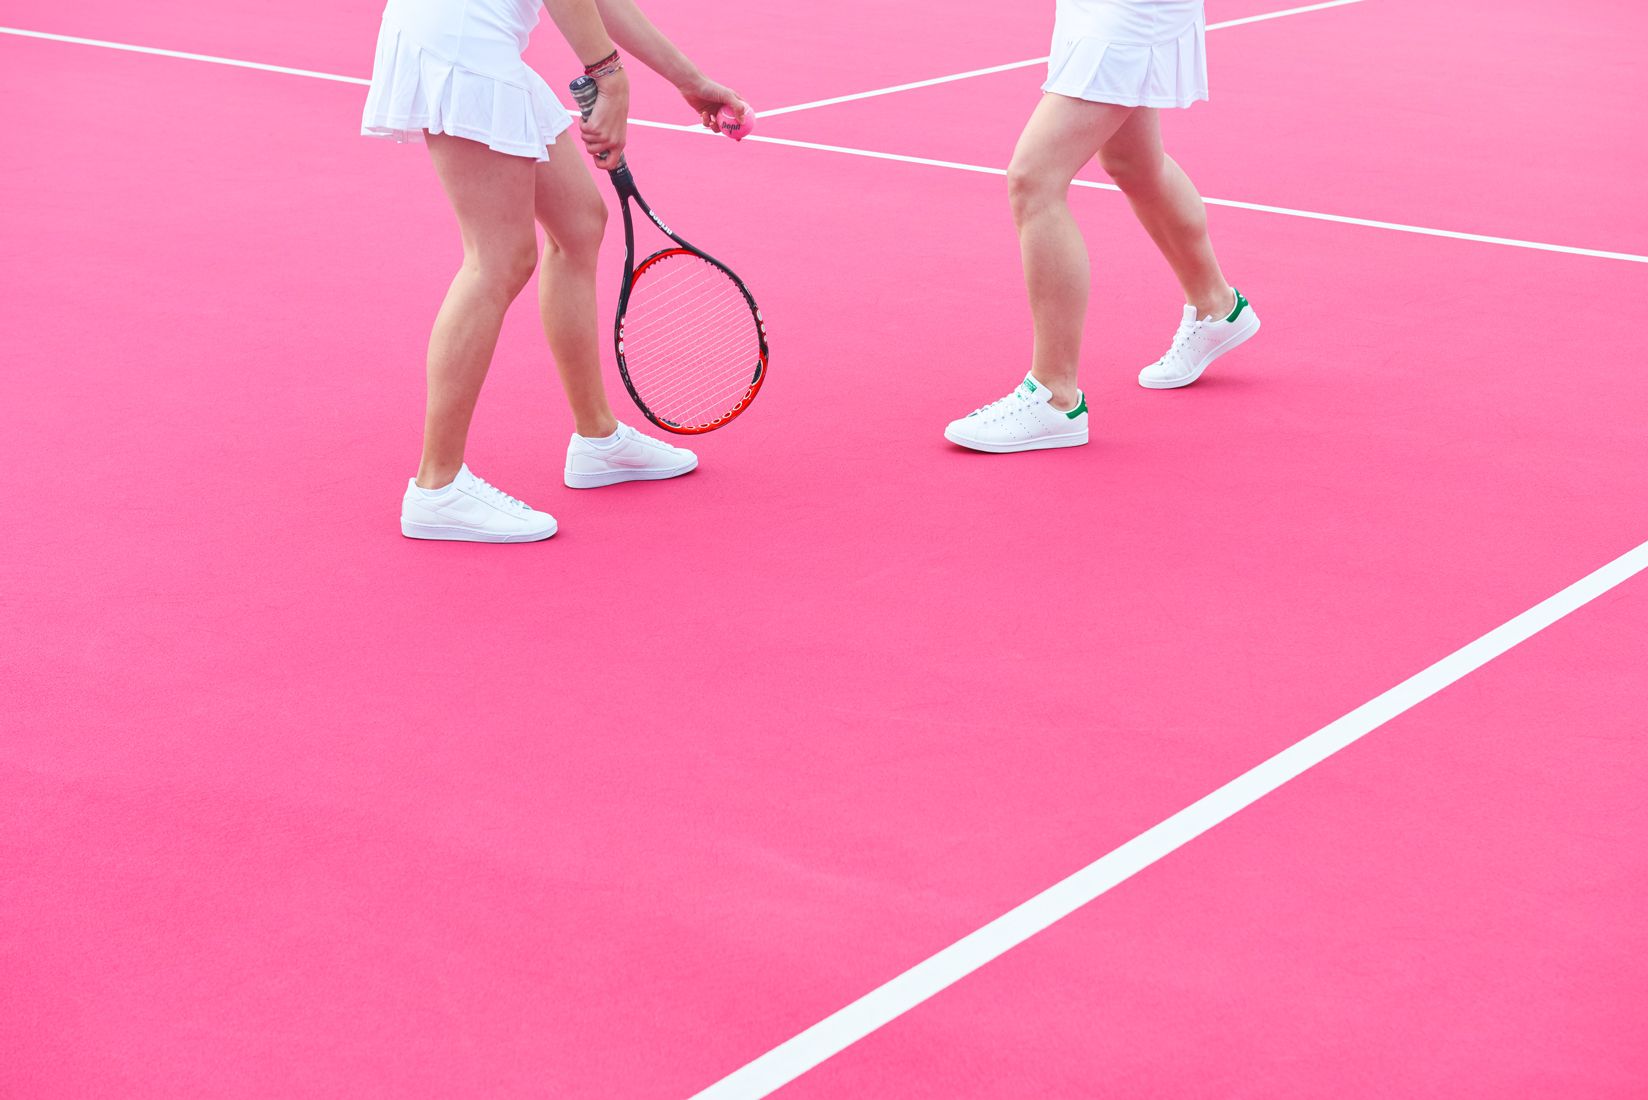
(615, 67)
(605, 62)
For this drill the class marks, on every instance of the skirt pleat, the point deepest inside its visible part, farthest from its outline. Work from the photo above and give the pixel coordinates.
(413, 91)
(1100, 53)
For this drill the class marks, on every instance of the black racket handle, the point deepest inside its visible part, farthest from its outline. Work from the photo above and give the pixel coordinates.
(585, 92)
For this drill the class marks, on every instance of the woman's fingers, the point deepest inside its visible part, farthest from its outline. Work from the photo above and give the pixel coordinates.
(605, 145)
(708, 97)
(606, 131)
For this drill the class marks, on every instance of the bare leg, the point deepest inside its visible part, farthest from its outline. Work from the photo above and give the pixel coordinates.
(492, 195)
(1168, 206)
(570, 209)
(1062, 135)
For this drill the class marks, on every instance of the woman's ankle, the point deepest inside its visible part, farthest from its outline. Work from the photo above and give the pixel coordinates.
(1216, 305)
(437, 475)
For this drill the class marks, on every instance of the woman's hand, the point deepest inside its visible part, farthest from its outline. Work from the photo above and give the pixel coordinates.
(707, 98)
(607, 131)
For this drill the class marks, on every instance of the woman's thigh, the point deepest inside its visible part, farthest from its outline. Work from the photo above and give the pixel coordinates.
(567, 202)
(490, 192)
(1062, 135)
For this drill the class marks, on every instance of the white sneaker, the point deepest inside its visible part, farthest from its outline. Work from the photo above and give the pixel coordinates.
(1024, 420)
(626, 455)
(1197, 344)
(470, 510)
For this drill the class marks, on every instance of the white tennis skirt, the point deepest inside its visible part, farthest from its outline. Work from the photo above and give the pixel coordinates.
(454, 67)
(1136, 53)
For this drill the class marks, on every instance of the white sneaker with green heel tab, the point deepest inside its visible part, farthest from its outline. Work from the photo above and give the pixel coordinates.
(1024, 420)
(1197, 344)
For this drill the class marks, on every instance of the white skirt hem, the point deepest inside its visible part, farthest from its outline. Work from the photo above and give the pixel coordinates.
(1093, 95)
(1165, 74)
(414, 91)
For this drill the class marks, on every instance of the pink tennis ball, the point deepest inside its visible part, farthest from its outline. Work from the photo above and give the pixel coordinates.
(734, 127)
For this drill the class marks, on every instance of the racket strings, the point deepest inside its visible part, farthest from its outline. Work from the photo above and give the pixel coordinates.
(692, 346)
(701, 374)
(689, 340)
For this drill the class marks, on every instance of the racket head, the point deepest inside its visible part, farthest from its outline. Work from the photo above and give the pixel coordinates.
(692, 346)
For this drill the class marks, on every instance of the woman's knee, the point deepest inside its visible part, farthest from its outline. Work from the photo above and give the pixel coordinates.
(507, 266)
(578, 233)
(1031, 188)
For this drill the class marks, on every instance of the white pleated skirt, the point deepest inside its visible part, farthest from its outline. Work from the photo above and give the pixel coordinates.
(508, 107)
(1135, 53)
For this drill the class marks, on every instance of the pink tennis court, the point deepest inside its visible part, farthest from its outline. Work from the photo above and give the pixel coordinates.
(1290, 739)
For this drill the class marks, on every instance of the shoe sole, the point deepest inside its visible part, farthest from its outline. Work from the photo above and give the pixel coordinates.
(435, 533)
(616, 477)
(1230, 344)
(1046, 444)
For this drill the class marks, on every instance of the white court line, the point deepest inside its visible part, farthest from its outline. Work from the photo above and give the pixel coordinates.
(971, 73)
(1235, 204)
(830, 1036)
(208, 58)
(1245, 20)
(910, 87)
(789, 1060)
(1397, 227)
(338, 79)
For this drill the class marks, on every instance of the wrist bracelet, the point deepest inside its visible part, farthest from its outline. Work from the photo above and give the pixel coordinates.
(597, 74)
(609, 59)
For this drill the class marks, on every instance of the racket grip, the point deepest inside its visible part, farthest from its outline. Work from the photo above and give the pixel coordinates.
(585, 93)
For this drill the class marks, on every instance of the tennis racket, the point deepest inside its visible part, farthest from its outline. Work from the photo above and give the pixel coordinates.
(691, 344)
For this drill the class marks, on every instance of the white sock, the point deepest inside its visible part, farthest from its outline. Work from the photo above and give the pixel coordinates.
(431, 494)
(604, 441)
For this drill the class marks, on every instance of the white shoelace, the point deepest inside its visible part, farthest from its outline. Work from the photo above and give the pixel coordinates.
(626, 434)
(497, 496)
(649, 442)
(998, 407)
(1181, 339)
